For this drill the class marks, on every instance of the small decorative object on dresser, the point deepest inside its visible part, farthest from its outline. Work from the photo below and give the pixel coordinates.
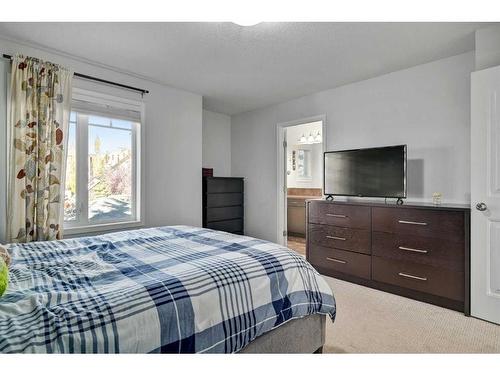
(419, 251)
(436, 198)
(223, 204)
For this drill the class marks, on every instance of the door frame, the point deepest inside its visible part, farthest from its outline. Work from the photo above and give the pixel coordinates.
(281, 169)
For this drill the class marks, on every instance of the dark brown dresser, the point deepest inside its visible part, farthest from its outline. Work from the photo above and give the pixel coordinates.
(223, 204)
(417, 251)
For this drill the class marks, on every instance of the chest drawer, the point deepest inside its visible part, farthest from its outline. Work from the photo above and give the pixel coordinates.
(346, 262)
(223, 185)
(341, 215)
(231, 226)
(421, 277)
(431, 223)
(224, 213)
(447, 253)
(224, 199)
(357, 240)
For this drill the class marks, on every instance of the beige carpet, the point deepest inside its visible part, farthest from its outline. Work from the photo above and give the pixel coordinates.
(371, 321)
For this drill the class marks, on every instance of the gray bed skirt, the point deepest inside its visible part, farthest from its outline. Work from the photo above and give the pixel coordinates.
(304, 335)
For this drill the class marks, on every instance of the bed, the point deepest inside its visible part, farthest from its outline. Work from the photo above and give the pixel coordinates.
(176, 289)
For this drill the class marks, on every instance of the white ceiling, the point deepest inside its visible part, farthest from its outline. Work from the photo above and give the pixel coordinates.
(238, 69)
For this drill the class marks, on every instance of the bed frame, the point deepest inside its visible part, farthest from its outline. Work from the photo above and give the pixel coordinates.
(304, 335)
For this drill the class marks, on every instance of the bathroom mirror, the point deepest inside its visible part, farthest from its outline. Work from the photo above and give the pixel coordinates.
(303, 164)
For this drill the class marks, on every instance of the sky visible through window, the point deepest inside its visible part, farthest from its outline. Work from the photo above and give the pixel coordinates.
(112, 140)
(109, 169)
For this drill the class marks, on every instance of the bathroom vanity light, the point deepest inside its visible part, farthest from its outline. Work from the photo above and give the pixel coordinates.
(311, 139)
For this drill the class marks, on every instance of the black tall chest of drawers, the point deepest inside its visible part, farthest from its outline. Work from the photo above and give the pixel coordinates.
(223, 204)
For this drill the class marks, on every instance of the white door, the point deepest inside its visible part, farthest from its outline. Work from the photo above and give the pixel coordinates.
(485, 194)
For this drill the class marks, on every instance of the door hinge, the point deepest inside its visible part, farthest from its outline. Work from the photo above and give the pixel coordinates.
(285, 144)
(285, 233)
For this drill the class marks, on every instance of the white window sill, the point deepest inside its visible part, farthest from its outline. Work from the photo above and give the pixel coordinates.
(101, 228)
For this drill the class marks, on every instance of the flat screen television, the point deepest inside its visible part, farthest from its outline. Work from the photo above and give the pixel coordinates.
(368, 172)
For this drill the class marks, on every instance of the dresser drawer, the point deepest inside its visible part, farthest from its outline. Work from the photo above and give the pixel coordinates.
(223, 185)
(224, 199)
(433, 251)
(421, 277)
(431, 223)
(341, 215)
(224, 213)
(340, 238)
(341, 261)
(231, 226)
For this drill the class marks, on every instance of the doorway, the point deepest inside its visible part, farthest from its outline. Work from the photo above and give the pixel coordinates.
(300, 175)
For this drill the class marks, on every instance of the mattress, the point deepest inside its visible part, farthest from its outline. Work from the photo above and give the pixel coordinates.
(175, 289)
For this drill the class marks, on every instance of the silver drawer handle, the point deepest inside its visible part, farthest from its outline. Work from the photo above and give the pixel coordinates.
(336, 260)
(336, 238)
(412, 276)
(414, 250)
(337, 215)
(411, 222)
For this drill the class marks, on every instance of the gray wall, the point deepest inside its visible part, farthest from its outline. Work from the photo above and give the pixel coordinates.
(426, 107)
(172, 143)
(487, 47)
(217, 143)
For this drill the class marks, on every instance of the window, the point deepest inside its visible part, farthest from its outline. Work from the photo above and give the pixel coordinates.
(103, 164)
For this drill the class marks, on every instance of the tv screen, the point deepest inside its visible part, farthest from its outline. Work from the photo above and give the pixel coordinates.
(369, 172)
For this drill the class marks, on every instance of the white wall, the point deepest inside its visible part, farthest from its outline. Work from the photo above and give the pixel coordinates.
(172, 139)
(426, 107)
(487, 47)
(217, 143)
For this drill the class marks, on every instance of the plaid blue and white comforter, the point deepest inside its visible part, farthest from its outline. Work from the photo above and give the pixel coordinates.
(172, 289)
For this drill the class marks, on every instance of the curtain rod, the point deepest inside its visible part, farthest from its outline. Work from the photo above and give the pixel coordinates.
(84, 76)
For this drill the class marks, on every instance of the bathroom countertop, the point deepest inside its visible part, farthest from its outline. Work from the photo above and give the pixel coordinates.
(304, 197)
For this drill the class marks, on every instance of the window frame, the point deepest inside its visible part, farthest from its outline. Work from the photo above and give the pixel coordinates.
(82, 225)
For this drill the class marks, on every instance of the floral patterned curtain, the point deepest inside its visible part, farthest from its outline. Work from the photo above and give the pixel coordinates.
(38, 121)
